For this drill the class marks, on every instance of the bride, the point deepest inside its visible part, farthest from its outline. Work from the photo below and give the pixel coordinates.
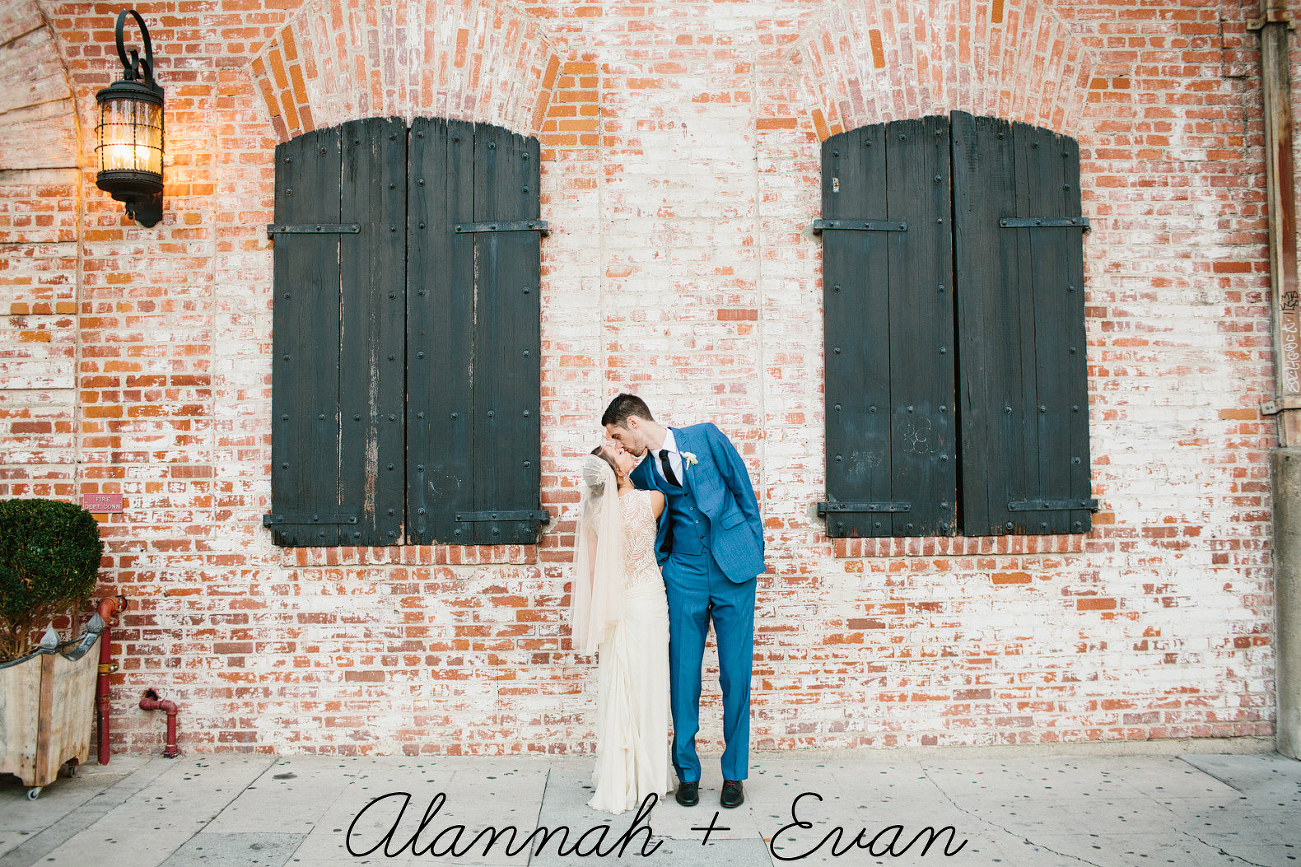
(619, 610)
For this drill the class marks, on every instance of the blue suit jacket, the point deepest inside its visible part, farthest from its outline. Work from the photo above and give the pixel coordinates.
(721, 486)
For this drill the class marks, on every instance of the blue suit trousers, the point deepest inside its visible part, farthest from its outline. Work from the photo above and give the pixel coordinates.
(698, 592)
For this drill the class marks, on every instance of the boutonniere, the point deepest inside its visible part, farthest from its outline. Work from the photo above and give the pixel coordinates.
(690, 458)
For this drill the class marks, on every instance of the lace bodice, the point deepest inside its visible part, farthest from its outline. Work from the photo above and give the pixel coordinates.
(639, 528)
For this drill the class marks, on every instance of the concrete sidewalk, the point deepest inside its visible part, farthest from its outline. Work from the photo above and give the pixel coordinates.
(1006, 807)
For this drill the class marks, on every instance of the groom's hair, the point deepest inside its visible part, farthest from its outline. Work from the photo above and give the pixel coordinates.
(623, 408)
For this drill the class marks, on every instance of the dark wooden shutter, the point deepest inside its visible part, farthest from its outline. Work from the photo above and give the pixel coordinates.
(474, 381)
(888, 309)
(1022, 372)
(337, 385)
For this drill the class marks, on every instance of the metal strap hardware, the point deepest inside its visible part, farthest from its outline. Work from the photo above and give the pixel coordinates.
(537, 516)
(858, 226)
(1280, 403)
(317, 518)
(1052, 505)
(1045, 223)
(274, 229)
(504, 226)
(897, 506)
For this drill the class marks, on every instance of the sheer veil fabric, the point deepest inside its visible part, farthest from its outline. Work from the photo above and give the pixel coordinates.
(597, 600)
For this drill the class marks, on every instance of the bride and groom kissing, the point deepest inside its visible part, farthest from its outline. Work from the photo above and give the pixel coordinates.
(665, 546)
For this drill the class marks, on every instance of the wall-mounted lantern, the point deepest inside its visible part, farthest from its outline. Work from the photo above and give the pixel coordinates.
(129, 135)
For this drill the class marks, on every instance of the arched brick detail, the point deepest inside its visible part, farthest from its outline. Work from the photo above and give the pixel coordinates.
(474, 60)
(870, 61)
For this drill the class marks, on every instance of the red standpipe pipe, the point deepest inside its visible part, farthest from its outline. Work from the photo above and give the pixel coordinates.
(151, 701)
(109, 607)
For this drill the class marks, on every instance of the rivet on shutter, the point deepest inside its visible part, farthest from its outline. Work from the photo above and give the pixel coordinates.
(421, 182)
(284, 466)
(1075, 408)
(420, 511)
(871, 409)
(1008, 525)
(390, 512)
(910, 409)
(944, 408)
(528, 464)
(835, 288)
(289, 192)
(392, 186)
(836, 407)
(526, 353)
(286, 358)
(453, 416)
(526, 290)
(944, 350)
(944, 504)
(492, 146)
(420, 355)
(944, 527)
(525, 189)
(835, 153)
(1078, 526)
(876, 525)
(840, 526)
(287, 296)
(1007, 409)
(284, 418)
(526, 413)
(390, 466)
(868, 144)
(492, 413)
(422, 225)
(1043, 408)
(420, 415)
(420, 468)
(839, 459)
(940, 288)
(944, 459)
(321, 417)
(937, 179)
(291, 159)
(1043, 525)
(910, 526)
(903, 138)
(836, 350)
(356, 418)
(390, 358)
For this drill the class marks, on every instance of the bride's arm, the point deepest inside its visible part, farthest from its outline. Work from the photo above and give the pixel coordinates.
(657, 503)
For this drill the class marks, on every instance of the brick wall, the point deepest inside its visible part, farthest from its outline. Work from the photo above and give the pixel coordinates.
(680, 176)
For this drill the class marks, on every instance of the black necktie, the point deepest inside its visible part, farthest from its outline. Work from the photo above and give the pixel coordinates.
(668, 469)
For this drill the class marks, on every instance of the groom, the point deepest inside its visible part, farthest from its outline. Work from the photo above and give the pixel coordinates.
(710, 548)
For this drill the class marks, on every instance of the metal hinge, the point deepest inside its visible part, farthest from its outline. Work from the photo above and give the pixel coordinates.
(504, 226)
(316, 518)
(1045, 223)
(536, 516)
(1052, 505)
(274, 229)
(819, 226)
(897, 506)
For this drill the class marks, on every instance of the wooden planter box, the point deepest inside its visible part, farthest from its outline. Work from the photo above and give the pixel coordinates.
(47, 707)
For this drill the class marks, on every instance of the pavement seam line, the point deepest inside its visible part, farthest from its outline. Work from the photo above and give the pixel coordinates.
(1007, 831)
(87, 813)
(229, 801)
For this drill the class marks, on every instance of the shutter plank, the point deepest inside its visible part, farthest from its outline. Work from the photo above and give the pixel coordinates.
(507, 338)
(305, 341)
(989, 339)
(923, 470)
(372, 333)
(856, 332)
(440, 309)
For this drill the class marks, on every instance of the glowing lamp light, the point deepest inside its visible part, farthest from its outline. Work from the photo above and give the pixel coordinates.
(129, 134)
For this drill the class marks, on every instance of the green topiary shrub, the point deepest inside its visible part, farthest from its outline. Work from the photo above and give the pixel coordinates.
(49, 562)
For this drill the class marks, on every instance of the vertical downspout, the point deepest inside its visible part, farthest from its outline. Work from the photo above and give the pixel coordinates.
(1285, 461)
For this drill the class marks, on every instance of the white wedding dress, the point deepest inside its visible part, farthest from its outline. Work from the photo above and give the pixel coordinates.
(632, 704)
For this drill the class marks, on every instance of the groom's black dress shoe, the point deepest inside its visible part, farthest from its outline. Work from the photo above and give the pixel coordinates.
(733, 795)
(688, 794)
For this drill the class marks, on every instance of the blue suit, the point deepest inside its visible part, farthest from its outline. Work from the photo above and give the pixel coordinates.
(710, 549)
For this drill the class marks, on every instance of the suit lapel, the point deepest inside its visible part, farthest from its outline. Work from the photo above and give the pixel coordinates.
(683, 443)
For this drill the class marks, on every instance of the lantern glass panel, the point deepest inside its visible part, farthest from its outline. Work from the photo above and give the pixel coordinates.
(130, 136)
